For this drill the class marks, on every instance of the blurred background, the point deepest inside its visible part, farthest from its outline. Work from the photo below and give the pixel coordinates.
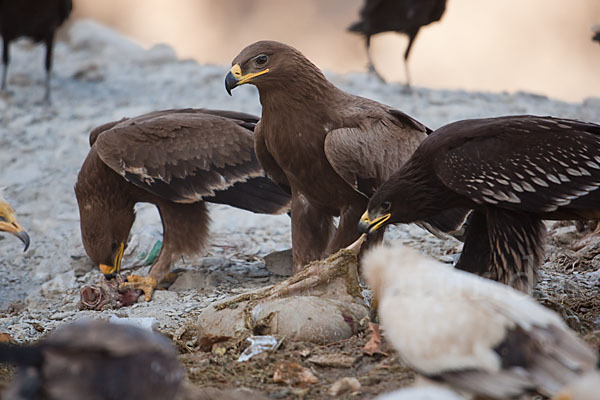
(539, 46)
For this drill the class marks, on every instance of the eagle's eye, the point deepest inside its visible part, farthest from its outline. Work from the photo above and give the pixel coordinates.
(261, 59)
(385, 206)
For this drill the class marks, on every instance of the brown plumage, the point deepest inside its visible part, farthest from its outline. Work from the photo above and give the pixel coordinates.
(9, 223)
(35, 19)
(95, 360)
(176, 160)
(332, 148)
(514, 172)
(478, 336)
(402, 16)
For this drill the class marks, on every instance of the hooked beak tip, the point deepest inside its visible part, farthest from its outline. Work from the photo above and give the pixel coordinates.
(364, 228)
(231, 82)
(24, 237)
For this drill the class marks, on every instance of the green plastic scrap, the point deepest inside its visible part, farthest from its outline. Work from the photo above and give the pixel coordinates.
(153, 253)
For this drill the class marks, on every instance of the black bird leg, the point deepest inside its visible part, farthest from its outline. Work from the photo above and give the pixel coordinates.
(411, 38)
(371, 66)
(5, 58)
(48, 64)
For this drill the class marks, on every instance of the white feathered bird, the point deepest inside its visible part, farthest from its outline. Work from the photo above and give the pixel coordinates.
(479, 336)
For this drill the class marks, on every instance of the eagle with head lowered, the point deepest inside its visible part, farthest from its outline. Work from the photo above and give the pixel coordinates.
(514, 172)
(177, 160)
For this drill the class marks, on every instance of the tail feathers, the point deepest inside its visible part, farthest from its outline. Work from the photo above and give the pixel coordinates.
(259, 195)
(450, 222)
(20, 355)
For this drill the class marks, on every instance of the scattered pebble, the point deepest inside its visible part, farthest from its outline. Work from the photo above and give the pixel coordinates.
(344, 385)
(333, 360)
(293, 374)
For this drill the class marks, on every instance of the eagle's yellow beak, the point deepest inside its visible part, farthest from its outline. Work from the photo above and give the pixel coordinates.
(110, 271)
(367, 225)
(235, 78)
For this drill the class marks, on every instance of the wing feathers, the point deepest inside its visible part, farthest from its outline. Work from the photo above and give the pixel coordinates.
(524, 163)
(374, 149)
(181, 155)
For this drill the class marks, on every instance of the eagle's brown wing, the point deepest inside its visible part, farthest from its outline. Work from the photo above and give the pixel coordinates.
(373, 146)
(523, 163)
(189, 155)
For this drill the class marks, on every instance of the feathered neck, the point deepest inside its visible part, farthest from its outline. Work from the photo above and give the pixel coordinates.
(305, 87)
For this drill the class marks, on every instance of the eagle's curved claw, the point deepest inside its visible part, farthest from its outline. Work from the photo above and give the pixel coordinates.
(146, 284)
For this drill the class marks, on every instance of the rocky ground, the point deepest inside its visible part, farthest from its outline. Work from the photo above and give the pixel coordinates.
(100, 76)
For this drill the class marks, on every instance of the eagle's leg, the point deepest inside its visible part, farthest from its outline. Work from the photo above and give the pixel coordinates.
(311, 230)
(516, 244)
(182, 235)
(503, 246)
(147, 284)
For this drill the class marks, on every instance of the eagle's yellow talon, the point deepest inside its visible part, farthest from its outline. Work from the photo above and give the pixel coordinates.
(146, 284)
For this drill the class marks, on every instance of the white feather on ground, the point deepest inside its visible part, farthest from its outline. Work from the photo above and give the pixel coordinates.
(475, 334)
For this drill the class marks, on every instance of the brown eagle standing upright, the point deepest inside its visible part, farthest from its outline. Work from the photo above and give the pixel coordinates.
(36, 19)
(332, 148)
(176, 160)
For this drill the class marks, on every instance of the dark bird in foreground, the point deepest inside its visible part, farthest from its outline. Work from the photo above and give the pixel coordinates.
(333, 149)
(8, 223)
(596, 30)
(476, 335)
(176, 160)
(402, 16)
(95, 360)
(35, 19)
(514, 172)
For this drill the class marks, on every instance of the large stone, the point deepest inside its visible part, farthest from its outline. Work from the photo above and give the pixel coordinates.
(196, 280)
(321, 304)
(280, 262)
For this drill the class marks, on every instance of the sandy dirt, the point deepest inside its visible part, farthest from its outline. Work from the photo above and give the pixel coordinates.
(101, 76)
